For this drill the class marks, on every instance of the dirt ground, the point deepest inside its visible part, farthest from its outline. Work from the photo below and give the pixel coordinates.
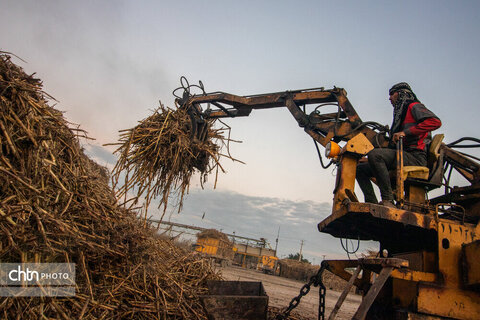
(282, 290)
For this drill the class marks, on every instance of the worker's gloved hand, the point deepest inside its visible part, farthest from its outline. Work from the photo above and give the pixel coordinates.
(397, 136)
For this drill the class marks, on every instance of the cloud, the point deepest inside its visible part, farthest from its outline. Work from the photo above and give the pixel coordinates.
(101, 155)
(261, 217)
(251, 216)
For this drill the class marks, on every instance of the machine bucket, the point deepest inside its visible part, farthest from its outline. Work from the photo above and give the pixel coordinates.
(236, 300)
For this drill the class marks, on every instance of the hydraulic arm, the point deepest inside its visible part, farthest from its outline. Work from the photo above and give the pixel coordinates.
(338, 126)
(432, 246)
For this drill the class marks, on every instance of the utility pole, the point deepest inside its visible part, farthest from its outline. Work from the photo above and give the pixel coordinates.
(276, 241)
(301, 247)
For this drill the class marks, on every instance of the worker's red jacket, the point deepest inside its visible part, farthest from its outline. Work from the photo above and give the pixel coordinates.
(417, 125)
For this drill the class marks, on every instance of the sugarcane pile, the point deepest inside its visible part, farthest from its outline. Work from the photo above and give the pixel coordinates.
(214, 234)
(56, 206)
(298, 270)
(159, 156)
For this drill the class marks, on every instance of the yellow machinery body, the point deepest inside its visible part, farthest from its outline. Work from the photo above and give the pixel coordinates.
(267, 264)
(215, 247)
(440, 276)
(432, 270)
(208, 246)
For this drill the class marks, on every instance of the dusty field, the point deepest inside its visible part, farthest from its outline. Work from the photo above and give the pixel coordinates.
(282, 290)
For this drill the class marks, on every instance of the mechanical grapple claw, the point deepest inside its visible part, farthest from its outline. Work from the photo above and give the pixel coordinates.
(198, 121)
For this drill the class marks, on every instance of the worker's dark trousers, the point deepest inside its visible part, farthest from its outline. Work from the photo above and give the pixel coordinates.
(380, 161)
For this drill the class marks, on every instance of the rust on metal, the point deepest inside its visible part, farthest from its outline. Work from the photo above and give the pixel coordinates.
(411, 275)
(345, 216)
(471, 263)
(236, 300)
(448, 302)
(399, 172)
(451, 238)
(338, 267)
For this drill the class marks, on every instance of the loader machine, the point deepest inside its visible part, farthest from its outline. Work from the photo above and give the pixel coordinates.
(429, 266)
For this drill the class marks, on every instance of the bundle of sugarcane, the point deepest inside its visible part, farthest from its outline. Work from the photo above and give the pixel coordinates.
(56, 206)
(159, 156)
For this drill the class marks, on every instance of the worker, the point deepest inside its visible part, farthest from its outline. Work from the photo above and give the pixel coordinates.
(412, 122)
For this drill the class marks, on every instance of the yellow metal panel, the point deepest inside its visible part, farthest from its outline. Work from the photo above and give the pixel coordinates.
(207, 245)
(269, 261)
(471, 254)
(453, 303)
(451, 236)
(359, 145)
(348, 167)
(414, 275)
(405, 315)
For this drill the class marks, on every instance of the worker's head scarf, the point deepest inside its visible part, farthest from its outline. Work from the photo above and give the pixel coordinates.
(405, 97)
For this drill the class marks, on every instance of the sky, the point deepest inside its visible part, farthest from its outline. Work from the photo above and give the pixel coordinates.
(109, 63)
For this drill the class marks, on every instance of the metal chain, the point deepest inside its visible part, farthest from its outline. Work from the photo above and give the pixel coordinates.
(321, 300)
(316, 280)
